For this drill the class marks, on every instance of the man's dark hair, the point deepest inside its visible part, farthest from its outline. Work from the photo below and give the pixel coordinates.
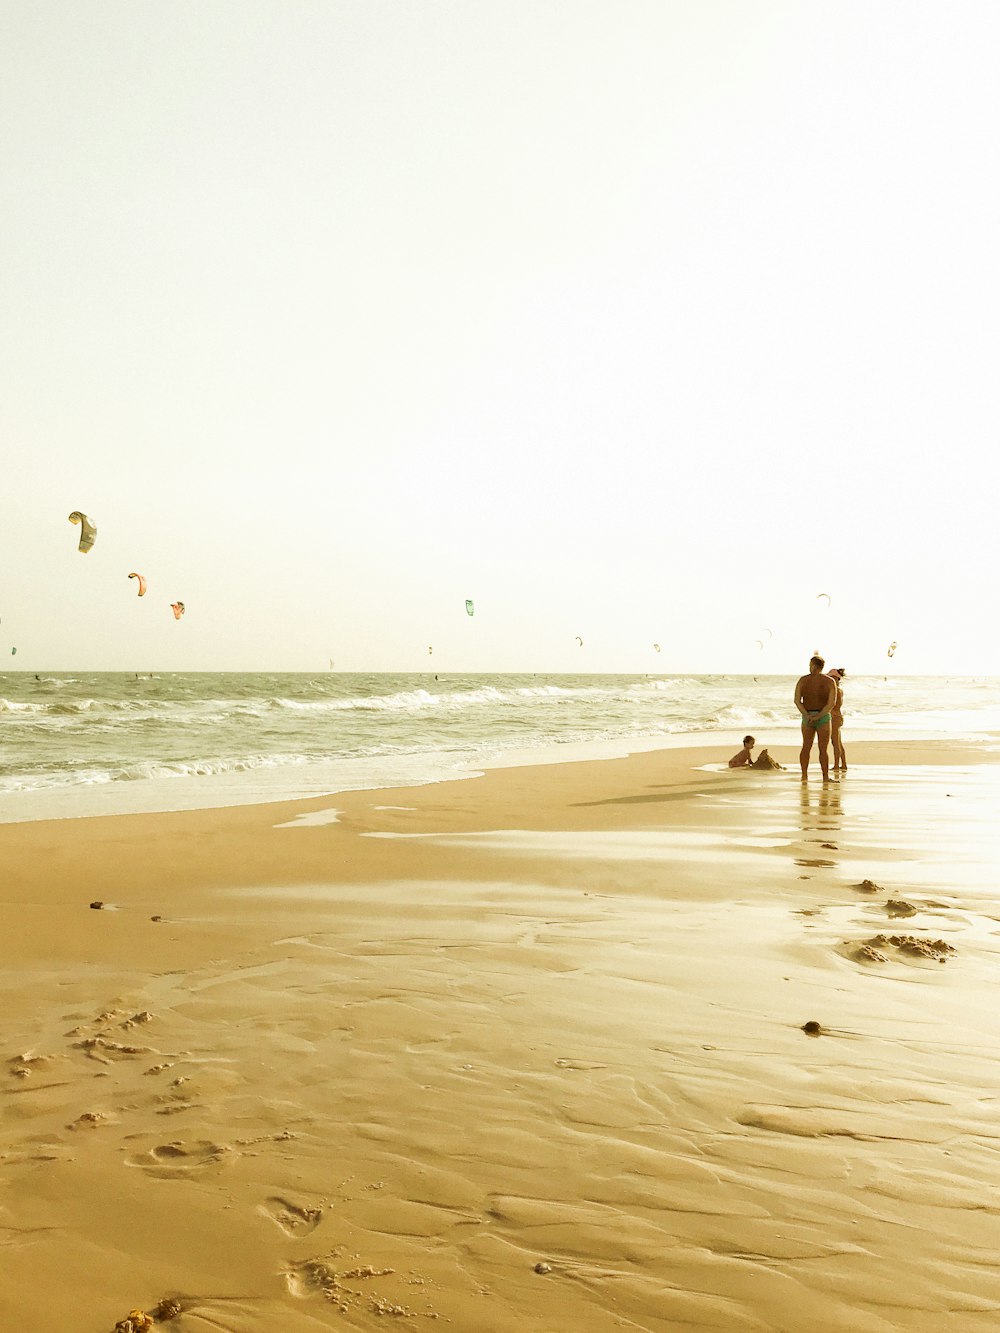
(818, 661)
(748, 740)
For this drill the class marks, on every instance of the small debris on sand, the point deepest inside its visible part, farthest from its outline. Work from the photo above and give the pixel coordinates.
(868, 886)
(167, 1309)
(812, 1028)
(380, 1306)
(96, 906)
(543, 1268)
(136, 1321)
(89, 1118)
(899, 907)
(156, 918)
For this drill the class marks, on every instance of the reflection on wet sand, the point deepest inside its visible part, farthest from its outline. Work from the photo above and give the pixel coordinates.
(533, 1058)
(820, 816)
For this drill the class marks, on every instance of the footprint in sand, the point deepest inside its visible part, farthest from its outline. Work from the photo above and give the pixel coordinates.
(293, 1219)
(181, 1158)
(310, 1276)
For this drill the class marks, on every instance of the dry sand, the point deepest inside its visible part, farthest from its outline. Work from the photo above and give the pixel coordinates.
(379, 1055)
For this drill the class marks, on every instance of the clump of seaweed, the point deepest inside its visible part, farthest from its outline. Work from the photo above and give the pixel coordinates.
(938, 950)
(136, 1321)
(900, 907)
(867, 953)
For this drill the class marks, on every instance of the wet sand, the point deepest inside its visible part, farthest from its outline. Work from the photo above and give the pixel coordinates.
(384, 1054)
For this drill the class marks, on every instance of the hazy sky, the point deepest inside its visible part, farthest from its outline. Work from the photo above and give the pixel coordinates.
(630, 319)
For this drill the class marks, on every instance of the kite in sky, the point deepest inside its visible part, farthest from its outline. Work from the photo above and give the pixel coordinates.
(469, 607)
(87, 530)
(178, 609)
(892, 647)
(142, 583)
(829, 599)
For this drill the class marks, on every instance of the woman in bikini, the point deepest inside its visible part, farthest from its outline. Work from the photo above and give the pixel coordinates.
(837, 721)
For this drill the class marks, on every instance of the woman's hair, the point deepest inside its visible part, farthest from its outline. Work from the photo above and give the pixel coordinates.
(748, 740)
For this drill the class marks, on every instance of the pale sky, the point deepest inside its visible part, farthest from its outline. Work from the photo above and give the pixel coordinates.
(637, 320)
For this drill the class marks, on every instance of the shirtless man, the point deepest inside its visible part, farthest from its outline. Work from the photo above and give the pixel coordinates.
(815, 698)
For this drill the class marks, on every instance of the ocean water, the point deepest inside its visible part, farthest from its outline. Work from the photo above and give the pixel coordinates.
(110, 742)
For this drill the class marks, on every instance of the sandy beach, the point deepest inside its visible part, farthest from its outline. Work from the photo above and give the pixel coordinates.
(521, 1051)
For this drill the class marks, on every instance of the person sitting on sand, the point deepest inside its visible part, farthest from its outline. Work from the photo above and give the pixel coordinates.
(815, 697)
(837, 721)
(745, 757)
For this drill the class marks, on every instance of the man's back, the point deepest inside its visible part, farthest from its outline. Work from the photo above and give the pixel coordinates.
(815, 696)
(814, 690)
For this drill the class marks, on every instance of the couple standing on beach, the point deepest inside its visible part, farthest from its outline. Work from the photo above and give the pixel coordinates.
(820, 701)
